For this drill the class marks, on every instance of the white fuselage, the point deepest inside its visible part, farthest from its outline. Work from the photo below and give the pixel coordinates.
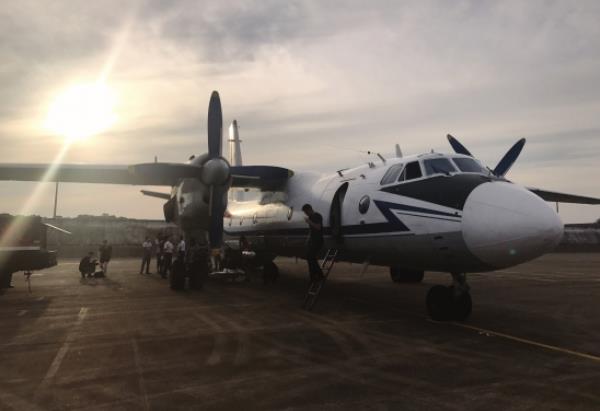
(444, 220)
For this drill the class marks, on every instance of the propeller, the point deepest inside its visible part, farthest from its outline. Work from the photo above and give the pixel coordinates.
(216, 173)
(503, 165)
(509, 158)
(457, 147)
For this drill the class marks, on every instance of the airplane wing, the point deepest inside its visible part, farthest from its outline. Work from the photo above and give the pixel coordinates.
(262, 177)
(164, 196)
(563, 197)
(155, 174)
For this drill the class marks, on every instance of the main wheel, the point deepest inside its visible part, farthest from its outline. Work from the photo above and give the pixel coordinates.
(461, 306)
(439, 303)
(270, 272)
(177, 276)
(400, 275)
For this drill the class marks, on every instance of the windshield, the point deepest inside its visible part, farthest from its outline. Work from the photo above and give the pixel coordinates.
(392, 174)
(468, 165)
(438, 166)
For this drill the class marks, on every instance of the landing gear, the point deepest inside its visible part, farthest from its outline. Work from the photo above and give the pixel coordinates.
(450, 303)
(5, 279)
(402, 275)
(270, 272)
(177, 275)
(198, 273)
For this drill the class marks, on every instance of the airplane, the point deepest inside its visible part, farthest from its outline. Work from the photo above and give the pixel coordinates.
(426, 212)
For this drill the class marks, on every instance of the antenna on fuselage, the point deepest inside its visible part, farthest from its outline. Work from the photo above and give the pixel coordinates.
(371, 164)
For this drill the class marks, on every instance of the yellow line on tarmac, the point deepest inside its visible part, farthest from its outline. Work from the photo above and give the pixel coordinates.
(530, 342)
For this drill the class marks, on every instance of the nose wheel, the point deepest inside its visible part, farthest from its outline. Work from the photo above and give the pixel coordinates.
(450, 303)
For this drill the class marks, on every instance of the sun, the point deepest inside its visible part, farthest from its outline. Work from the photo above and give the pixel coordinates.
(82, 111)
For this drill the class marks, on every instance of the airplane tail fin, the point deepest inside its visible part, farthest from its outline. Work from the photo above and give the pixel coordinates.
(235, 158)
(235, 149)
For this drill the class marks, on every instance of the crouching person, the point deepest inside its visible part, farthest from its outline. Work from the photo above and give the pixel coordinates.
(87, 265)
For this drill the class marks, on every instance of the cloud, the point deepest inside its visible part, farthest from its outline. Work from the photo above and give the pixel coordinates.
(316, 82)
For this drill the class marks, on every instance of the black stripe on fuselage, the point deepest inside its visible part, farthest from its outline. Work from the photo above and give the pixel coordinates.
(447, 191)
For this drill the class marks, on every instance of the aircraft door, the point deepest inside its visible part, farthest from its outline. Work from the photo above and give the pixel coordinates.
(335, 214)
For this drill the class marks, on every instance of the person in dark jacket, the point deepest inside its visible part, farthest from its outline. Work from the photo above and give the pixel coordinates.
(314, 243)
(105, 256)
(87, 265)
(158, 250)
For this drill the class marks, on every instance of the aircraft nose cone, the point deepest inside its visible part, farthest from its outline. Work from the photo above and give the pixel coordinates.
(504, 224)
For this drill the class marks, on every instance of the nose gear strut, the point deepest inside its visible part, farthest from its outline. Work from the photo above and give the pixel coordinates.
(450, 303)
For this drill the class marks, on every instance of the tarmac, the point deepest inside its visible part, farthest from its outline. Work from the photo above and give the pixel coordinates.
(127, 342)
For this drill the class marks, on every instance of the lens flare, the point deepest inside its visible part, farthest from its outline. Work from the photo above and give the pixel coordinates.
(82, 111)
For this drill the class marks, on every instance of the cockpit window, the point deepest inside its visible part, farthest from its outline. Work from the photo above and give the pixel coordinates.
(412, 171)
(438, 166)
(468, 165)
(392, 174)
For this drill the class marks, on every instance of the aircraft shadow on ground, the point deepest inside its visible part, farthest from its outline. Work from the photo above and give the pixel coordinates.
(12, 322)
(381, 302)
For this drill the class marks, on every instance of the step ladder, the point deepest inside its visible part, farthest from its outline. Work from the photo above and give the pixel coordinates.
(315, 287)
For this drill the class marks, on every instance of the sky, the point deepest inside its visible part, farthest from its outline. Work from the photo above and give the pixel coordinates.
(313, 85)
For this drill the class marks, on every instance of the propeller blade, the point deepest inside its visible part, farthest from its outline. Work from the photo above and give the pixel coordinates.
(457, 147)
(509, 158)
(216, 173)
(215, 126)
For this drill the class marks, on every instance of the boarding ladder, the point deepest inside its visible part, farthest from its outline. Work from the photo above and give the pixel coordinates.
(315, 287)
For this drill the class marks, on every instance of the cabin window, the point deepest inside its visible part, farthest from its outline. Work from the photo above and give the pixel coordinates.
(438, 166)
(468, 165)
(412, 171)
(392, 174)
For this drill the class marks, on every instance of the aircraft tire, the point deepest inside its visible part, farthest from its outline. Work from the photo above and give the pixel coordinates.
(177, 276)
(461, 306)
(399, 275)
(270, 272)
(439, 303)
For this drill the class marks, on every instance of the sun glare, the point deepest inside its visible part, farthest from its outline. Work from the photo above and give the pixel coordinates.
(82, 111)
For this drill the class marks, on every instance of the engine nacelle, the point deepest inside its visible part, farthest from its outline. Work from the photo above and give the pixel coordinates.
(170, 210)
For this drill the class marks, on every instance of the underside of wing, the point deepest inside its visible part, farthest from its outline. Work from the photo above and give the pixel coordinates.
(563, 197)
(261, 177)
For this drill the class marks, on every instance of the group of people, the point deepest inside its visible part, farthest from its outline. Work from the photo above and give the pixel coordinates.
(163, 249)
(165, 252)
(87, 265)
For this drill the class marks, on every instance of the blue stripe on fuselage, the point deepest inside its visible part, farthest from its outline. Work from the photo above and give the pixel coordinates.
(392, 225)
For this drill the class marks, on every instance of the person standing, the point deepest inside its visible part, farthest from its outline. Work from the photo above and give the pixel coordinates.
(167, 257)
(181, 249)
(147, 256)
(159, 244)
(105, 252)
(314, 243)
(194, 260)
